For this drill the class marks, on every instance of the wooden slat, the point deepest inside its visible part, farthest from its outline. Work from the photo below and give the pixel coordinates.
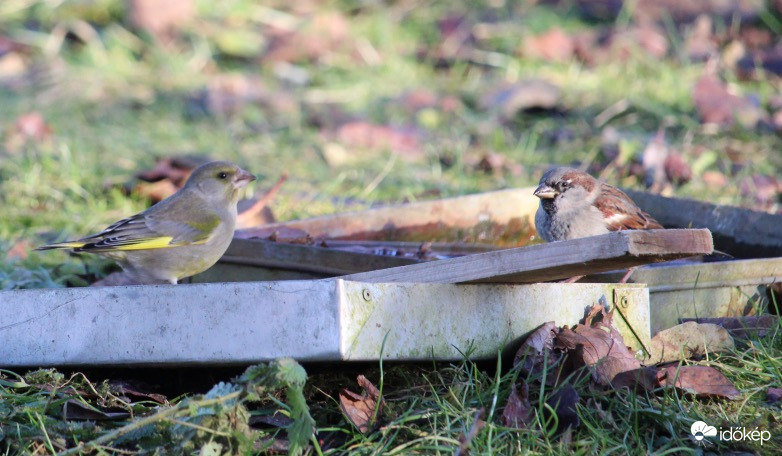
(553, 261)
(740, 232)
(511, 211)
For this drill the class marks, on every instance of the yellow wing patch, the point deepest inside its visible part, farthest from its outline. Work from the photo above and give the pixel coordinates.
(62, 245)
(146, 244)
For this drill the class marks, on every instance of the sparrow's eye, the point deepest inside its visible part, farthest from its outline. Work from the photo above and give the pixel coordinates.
(566, 184)
(222, 175)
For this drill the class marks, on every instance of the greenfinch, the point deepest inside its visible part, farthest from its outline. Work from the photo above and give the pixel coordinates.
(178, 237)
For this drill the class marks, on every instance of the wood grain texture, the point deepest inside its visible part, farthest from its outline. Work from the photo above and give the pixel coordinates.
(555, 260)
(740, 232)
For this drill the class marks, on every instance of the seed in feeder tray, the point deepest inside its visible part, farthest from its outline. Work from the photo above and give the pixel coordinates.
(178, 237)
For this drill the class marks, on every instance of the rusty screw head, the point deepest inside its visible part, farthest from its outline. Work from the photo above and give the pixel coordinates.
(624, 302)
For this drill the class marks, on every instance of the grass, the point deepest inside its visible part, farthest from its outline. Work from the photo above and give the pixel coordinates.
(115, 102)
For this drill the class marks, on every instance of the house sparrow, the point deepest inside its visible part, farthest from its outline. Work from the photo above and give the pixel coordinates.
(178, 237)
(574, 204)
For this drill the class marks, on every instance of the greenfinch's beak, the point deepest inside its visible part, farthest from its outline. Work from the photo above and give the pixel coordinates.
(545, 192)
(243, 178)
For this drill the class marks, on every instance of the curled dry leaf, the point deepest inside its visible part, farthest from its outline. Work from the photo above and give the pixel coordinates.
(774, 395)
(564, 401)
(518, 412)
(535, 349)
(362, 410)
(700, 381)
(688, 340)
(599, 345)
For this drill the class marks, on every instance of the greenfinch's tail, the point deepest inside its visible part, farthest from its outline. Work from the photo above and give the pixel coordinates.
(62, 245)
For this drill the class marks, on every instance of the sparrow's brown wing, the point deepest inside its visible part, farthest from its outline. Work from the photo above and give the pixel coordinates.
(621, 213)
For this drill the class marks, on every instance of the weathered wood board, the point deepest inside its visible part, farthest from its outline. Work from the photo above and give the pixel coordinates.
(324, 320)
(740, 232)
(507, 215)
(555, 260)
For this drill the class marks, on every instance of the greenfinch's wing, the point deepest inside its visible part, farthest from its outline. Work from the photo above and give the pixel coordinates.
(171, 223)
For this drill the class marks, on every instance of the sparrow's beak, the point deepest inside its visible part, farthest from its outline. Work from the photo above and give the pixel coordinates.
(545, 192)
(243, 178)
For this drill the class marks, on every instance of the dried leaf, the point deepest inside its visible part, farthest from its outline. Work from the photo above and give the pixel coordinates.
(20, 250)
(518, 412)
(554, 45)
(315, 38)
(600, 346)
(362, 410)
(120, 388)
(466, 439)
(161, 18)
(688, 340)
(716, 104)
(764, 190)
(538, 346)
(511, 99)
(564, 401)
(77, 411)
(755, 326)
(702, 381)
(366, 135)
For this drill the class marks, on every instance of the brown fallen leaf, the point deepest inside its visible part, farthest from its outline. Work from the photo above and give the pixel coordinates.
(28, 128)
(764, 190)
(363, 410)
(599, 345)
(518, 413)
(676, 168)
(688, 340)
(536, 350)
(717, 104)
(77, 411)
(553, 45)
(701, 43)
(564, 401)
(315, 37)
(161, 18)
(511, 99)
(125, 390)
(20, 249)
(258, 213)
(701, 381)
(743, 327)
(774, 395)
(366, 135)
(466, 439)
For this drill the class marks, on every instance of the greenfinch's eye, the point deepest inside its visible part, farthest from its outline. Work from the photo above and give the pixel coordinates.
(222, 175)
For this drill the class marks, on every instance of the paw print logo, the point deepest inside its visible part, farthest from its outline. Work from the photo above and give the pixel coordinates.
(701, 430)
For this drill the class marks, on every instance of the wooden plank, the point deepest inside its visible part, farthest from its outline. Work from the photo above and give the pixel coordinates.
(307, 258)
(555, 260)
(740, 232)
(507, 216)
